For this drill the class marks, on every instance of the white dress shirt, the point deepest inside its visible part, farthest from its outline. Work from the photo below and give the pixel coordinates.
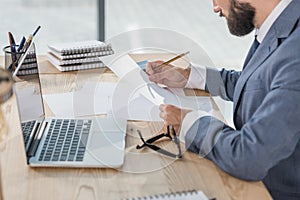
(197, 77)
(265, 27)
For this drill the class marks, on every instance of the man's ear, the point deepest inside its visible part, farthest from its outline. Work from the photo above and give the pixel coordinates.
(217, 8)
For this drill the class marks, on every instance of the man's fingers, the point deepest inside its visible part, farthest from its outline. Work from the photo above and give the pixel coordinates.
(169, 114)
(151, 65)
(176, 128)
(162, 115)
(162, 107)
(165, 114)
(149, 69)
(160, 76)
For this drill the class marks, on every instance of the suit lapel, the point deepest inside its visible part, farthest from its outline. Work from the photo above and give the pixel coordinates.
(262, 53)
(281, 29)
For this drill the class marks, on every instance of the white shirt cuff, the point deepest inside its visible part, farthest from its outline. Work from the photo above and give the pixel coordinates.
(189, 120)
(197, 78)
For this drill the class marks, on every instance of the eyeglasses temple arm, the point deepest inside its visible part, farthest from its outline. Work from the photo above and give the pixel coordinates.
(157, 137)
(176, 140)
(162, 151)
(144, 143)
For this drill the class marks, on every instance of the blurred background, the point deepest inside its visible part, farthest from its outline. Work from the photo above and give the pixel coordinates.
(74, 20)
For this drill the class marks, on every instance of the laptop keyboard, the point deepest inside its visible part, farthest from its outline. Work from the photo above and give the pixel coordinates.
(66, 140)
(27, 128)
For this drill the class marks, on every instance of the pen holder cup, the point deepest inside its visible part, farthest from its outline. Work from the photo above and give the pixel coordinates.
(12, 59)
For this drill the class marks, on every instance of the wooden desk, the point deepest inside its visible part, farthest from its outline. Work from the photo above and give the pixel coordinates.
(143, 173)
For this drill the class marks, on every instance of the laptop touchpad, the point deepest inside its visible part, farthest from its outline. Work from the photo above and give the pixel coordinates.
(107, 146)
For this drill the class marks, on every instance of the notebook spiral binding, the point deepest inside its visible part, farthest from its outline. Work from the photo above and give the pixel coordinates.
(86, 49)
(166, 195)
(30, 65)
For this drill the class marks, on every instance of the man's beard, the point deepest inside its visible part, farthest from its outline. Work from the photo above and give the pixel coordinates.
(240, 18)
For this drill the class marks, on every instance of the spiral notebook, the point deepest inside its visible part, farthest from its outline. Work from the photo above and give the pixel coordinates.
(57, 61)
(186, 195)
(73, 67)
(81, 55)
(81, 47)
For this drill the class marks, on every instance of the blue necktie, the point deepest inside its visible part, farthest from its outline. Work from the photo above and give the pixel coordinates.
(252, 50)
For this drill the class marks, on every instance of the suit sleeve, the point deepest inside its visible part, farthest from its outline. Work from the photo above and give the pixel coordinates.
(268, 137)
(221, 83)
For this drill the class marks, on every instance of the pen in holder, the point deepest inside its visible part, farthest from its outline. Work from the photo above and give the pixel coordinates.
(12, 59)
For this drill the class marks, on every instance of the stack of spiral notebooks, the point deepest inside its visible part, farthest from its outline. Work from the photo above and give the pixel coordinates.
(78, 55)
(186, 195)
(29, 66)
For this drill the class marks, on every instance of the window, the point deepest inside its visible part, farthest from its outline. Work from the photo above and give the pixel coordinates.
(61, 20)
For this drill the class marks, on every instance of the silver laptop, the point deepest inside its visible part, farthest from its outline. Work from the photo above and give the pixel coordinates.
(60, 142)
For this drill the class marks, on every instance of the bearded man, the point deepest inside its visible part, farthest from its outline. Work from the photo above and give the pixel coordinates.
(264, 144)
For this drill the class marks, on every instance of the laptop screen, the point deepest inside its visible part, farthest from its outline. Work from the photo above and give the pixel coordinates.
(29, 98)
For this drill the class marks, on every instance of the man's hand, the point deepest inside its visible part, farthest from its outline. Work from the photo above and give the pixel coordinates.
(173, 115)
(168, 75)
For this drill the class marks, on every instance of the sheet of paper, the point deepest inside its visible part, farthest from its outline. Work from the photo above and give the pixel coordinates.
(158, 95)
(136, 98)
(60, 104)
(123, 66)
(129, 72)
(138, 108)
(129, 102)
(30, 104)
(177, 91)
(92, 99)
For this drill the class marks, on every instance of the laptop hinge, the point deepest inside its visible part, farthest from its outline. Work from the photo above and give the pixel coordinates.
(36, 141)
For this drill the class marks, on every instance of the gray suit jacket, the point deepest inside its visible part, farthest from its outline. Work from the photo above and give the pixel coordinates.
(266, 94)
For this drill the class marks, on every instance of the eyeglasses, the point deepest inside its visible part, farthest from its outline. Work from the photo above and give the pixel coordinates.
(174, 138)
